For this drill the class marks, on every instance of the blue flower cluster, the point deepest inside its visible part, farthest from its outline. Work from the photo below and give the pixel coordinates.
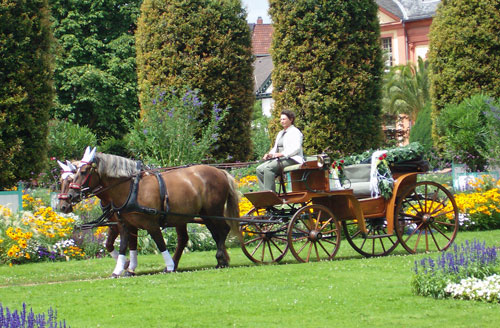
(26, 319)
(463, 258)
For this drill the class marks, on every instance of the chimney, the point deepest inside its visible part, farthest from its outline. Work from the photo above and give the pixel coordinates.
(259, 20)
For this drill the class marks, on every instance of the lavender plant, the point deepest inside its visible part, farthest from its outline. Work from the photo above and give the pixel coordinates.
(172, 130)
(25, 319)
(472, 259)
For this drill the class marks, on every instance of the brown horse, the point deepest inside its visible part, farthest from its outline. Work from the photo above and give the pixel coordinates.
(67, 177)
(141, 201)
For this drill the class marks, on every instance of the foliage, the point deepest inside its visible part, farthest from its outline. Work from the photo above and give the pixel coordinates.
(464, 132)
(328, 70)
(25, 319)
(114, 146)
(472, 259)
(463, 51)
(26, 91)
(260, 133)
(406, 89)
(492, 142)
(203, 44)
(171, 132)
(95, 78)
(412, 151)
(421, 132)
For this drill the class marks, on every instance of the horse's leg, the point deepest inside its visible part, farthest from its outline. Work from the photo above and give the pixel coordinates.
(162, 247)
(219, 231)
(110, 241)
(182, 240)
(132, 246)
(120, 263)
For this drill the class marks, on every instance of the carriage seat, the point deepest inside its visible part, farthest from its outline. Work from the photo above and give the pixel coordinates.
(359, 175)
(299, 166)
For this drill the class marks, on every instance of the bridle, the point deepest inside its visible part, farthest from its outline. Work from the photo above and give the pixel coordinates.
(83, 189)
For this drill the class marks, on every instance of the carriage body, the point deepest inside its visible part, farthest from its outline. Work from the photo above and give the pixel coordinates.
(420, 216)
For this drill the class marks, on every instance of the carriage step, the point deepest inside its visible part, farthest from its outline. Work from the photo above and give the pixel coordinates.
(379, 236)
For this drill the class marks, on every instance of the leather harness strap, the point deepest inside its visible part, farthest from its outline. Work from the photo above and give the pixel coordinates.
(131, 204)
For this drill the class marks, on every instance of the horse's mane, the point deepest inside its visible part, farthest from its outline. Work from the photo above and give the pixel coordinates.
(114, 166)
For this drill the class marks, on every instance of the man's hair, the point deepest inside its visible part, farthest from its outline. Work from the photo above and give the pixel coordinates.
(289, 114)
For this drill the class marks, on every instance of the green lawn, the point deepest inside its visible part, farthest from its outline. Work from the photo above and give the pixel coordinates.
(348, 292)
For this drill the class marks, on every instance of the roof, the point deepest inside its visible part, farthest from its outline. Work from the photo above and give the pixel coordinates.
(261, 39)
(410, 10)
(263, 66)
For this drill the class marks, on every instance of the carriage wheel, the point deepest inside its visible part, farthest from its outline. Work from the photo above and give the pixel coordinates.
(426, 218)
(263, 242)
(314, 234)
(376, 243)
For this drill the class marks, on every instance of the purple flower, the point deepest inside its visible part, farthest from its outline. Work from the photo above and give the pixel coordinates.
(145, 131)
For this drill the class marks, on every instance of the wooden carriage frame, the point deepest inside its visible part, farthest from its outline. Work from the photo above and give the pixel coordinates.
(420, 216)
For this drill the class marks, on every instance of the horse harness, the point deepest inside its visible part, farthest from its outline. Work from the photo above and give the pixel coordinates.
(131, 204)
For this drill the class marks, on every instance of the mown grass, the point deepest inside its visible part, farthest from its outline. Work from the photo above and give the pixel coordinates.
(348, 292)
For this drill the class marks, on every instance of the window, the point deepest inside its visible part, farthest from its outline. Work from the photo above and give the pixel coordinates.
(387, 49)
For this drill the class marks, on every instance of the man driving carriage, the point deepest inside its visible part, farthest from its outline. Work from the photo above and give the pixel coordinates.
(287, 150)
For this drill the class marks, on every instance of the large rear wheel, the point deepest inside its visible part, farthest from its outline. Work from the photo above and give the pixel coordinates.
(426, 218)
(264, 242)
(313, 234)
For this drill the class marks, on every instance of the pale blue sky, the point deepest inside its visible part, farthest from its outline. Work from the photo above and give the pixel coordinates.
(256, 8)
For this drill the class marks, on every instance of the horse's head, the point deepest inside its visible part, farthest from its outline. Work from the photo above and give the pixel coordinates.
(86, 178)
(67, 177)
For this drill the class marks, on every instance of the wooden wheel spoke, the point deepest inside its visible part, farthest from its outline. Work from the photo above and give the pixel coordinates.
(253, 240)
(438, 229)
(418, 240)
(324, 248)
(434, 239)
(309, 251)
(257, 247)
(275, 245)
(303, 246)
(443, 213)
(326, 223)
(412, 206)
(270, 250)
(413, 232)
(434, 197)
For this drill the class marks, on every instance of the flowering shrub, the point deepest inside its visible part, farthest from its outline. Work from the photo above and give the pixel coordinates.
(24, 319)
(487, 289)
(480, 209)
(172, 130)
(473, 259)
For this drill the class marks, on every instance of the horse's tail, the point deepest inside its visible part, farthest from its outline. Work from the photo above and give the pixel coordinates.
(232, 208)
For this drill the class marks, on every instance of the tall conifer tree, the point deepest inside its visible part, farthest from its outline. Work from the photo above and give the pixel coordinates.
(26, 91)
(202, 44)
(464, 52)
(327, 68)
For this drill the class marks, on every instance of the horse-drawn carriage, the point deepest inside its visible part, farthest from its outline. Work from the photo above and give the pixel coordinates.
(311, 217)
(308, 219)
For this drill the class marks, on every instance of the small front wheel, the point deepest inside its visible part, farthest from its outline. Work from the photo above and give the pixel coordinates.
(314, 234)
(263, 243)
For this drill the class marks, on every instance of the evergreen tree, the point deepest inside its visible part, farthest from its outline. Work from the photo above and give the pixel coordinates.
(464, 52)
(26, 91)
(205, 45)
(95, 79)
(328, 68)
